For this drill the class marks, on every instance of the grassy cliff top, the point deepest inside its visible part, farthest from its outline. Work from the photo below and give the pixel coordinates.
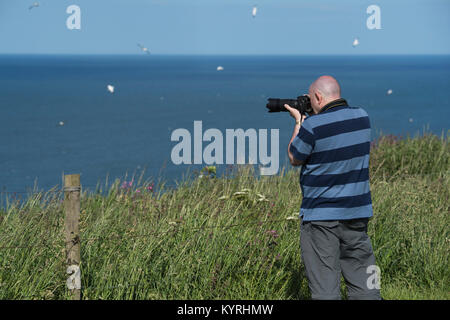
(233, 237)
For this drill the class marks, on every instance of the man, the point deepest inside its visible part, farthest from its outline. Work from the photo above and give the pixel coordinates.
(333, 145)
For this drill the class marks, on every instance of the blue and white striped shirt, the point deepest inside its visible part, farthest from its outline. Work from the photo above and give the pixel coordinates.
(334, 146)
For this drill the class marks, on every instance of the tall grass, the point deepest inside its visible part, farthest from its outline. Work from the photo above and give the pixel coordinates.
(233, 237)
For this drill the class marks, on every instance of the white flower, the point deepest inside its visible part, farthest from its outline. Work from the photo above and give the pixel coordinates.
(294, 216)
(261, 197)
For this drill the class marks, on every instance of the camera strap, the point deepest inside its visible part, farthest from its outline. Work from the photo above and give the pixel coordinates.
(335, 103)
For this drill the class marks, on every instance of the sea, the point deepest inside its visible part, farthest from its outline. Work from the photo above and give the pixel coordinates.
(58, 117)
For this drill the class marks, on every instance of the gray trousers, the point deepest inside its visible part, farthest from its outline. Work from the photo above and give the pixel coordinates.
(331, 247)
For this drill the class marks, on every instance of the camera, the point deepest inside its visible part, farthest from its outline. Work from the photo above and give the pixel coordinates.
(302, 104)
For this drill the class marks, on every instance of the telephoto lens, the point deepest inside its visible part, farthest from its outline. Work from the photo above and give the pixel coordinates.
(277, 105)
(302, 104)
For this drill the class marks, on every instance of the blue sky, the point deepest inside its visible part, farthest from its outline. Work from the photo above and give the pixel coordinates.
(225, 27)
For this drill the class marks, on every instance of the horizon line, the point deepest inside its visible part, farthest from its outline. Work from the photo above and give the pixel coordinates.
(222, 54)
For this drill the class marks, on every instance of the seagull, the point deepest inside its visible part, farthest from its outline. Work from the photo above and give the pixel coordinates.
(219, 68)
(255, 9)
(110, 88)
(61, 123)
(355, 42)
(34, 5)
(144, 49)
(389, 92)
(411, 120)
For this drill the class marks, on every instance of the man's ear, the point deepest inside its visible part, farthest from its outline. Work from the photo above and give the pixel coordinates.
(318, 96)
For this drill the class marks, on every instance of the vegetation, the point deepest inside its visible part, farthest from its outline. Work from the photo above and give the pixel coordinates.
(229, 237)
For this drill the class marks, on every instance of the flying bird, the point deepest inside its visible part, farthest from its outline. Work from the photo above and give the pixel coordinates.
(219, 68)
(34, 5)
(254, 10)
(144, 49)
(355, 42)
(389, 92)
(110, 88)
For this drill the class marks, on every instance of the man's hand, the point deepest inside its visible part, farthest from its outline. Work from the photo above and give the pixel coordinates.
(295, 113)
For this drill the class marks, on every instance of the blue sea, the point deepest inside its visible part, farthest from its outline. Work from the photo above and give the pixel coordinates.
(117, 135)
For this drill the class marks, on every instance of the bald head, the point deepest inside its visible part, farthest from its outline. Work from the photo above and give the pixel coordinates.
(324, 90)
(328, 86)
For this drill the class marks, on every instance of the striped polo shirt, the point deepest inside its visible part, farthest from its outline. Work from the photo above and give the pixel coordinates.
(334, 146)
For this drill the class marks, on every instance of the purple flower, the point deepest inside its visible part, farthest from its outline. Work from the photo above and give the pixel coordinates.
(273, 233)
(126, 185)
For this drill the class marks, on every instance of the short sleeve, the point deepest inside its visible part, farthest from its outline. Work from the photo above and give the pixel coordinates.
(303, 143)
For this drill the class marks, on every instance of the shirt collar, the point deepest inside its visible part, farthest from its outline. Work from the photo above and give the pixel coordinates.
(335, 103)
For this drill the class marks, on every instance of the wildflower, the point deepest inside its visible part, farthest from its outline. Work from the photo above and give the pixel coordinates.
(243, 192)
(261, 197)
(273, 233)
(294, 216)
(150, 188)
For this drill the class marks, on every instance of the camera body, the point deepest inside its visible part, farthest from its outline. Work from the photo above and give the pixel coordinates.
(302, 104)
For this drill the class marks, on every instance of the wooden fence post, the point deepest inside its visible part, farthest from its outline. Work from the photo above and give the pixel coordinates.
(72, 191)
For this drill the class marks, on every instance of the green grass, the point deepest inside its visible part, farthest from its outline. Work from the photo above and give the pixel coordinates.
(204, 241)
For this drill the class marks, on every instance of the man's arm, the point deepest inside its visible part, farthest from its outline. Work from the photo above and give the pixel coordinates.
(298, 121)
(295, 162)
